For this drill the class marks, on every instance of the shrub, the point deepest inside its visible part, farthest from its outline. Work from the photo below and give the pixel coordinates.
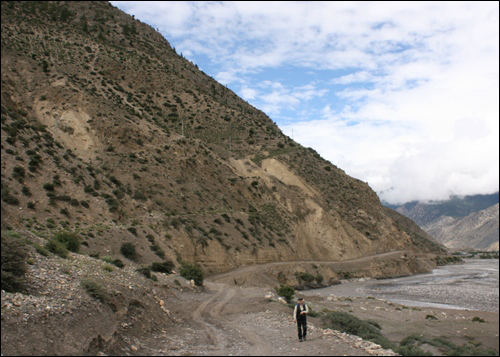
(56, 247)
(19, 173)
(48, 186)
(350, 324)
(192, 272)
(139, 195)
(41, 250)
(165, 267)
(13, 264)
(286, 291)
(64, 211)
(158, 251)
(118, 263)
(26, 191)
(94, 290)
(319, 279)
(128, 251)
(305, 277)
(7, 197)
(146, 271)
(70, 240)
(108, 268)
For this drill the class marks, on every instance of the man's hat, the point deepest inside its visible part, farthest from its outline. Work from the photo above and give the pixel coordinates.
(301, 299)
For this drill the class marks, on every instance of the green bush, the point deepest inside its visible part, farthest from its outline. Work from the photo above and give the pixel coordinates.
(19, 173)
(118, 263)
(410, 346)
(319, 279)
(165, 267)
(304, 277)
(344, 322)
(158, 251)
(108, 268)
(93, 289)
(13, 265)
(286, 291)
(192, 272)
(56, 247)
(128, 251)
(70, 240)
(41, 250)
(146, 271)
(48, 186)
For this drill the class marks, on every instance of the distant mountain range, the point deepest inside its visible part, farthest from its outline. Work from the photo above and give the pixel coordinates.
(459, 223)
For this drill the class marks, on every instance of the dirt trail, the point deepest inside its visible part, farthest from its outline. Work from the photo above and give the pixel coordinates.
(245, 271)
(224, 297)
(239, 322)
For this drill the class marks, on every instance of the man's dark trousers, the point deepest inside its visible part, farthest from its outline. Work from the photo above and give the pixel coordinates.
(302, 326)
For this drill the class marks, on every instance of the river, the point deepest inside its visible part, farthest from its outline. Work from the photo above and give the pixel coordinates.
(472, 285)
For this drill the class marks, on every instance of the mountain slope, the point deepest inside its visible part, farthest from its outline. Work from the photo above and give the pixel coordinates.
(108, 132)
(420, 238)
(424, 213)
(479, 230)
(461, 222)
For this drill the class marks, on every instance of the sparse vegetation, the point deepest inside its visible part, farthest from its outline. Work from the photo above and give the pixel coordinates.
(56, 247)
(70, 240)
(14, 255)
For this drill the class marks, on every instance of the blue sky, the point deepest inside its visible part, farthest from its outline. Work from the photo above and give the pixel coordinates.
(402, 95)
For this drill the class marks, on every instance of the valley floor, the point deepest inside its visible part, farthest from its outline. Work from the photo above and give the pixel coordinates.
(225, 320)
(138, 317)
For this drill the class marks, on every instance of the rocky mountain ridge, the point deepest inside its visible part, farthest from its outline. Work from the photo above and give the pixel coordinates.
(479, 230)
(469, 222)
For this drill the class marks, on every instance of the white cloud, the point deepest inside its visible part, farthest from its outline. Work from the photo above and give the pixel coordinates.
(248, 93)
(415, 108)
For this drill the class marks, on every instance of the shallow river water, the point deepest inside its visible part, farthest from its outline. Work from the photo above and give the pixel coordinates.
(472, 285)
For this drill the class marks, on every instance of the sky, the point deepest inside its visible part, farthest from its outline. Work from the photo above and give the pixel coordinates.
(402, 95)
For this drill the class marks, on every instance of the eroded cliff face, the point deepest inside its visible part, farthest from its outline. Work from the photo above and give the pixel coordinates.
(92, 119)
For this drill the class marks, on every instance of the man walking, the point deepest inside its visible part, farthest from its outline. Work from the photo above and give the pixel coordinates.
(300, 317)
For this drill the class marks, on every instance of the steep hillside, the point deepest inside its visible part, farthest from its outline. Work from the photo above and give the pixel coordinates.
(479, 230)
(420, 238)
(108, 132)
